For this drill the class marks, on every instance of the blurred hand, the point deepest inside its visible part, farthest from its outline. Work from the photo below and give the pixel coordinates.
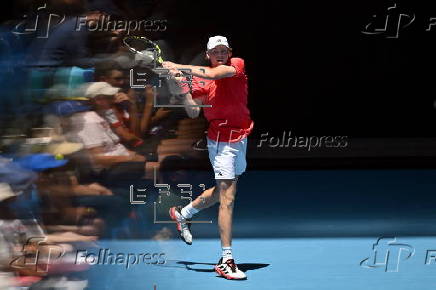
(92, 189)
(169, 65)
(99, 189)
(161, 113)
(66, 237)
(131, 94)
(121, 97)
(136, 157)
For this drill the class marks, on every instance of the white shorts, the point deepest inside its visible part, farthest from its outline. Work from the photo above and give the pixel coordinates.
(227, 159)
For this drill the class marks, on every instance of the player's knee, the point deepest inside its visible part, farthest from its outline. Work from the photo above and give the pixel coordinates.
(224, 185)
(227, 201)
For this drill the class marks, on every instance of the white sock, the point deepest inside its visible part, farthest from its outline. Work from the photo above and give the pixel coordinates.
(227, 253)
(188, 211)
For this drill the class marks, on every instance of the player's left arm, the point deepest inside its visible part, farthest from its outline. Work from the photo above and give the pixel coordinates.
(210, 73)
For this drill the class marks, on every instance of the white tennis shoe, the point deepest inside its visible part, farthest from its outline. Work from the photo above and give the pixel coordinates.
(229, 270)
(182, 227)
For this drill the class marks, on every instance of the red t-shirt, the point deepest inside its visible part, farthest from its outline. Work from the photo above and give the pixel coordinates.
(229, 118)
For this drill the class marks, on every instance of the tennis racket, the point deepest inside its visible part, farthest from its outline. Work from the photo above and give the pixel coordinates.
(149, 54)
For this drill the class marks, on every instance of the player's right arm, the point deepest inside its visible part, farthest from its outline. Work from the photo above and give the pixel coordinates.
(204, 72)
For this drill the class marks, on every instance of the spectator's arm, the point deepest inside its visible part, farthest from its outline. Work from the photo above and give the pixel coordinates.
(135, 121)
(91, 189)
(148, 110)
(132, 109)
(126, 135)
(108, 161)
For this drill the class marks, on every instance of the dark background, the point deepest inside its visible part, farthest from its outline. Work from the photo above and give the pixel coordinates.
(312, 70)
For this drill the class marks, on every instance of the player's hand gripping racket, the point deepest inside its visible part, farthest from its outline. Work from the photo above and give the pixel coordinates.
(148, 54)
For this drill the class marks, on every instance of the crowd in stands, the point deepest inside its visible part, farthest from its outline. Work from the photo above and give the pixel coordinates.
(77, 143)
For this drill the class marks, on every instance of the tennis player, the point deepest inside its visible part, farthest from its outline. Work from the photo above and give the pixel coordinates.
(225, 89)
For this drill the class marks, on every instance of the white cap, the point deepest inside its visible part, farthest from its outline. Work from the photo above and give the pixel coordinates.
(217, 40)
(99, 88)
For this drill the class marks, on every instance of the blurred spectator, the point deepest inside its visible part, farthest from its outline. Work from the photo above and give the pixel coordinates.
(111, 160)
(94, 131)
(24, 236)
(123, 116)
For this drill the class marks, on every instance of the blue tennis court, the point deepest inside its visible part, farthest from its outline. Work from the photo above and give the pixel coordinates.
(325, 229)
(306, 263)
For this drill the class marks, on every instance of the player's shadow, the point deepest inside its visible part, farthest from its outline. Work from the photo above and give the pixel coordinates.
(243, 267)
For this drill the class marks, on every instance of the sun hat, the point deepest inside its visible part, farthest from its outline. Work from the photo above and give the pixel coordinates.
(99, 88)
(66, 108)
(41, 161)
(214, 41)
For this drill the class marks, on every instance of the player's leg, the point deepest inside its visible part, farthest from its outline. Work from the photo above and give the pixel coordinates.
(224, 159)
(227, 267)
(227, 192)
(208, 198)
(182, 224)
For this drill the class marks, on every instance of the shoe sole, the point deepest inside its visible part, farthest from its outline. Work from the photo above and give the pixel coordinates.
(179, 227)
(221, 273)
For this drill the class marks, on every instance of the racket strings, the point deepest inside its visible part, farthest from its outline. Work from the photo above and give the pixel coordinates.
(138, 44)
